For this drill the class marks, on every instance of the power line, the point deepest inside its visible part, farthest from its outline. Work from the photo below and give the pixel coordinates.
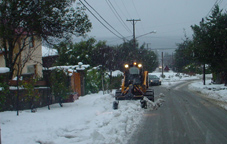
(104, 19)
(135, 8)
(125, 8)
(117, 15)
(220, 1)
(212, 7)
(225, 5)
(100, 21)
(137, 14)
(123, 15)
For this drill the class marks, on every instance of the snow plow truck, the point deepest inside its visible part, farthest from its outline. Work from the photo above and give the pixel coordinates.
(135, 85)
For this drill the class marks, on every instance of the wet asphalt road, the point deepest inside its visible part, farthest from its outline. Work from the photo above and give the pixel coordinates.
(184, 118)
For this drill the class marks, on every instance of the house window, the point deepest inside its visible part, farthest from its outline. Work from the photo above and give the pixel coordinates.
(31, 42)
(31, 69)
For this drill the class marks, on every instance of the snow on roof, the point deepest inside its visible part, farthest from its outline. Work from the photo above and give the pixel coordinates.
(116, 73)
(48, 51)
(4, 70)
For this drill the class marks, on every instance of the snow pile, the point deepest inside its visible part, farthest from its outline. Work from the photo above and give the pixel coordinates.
(4, 70)
(216, 92)
(91, 119)
(156, 104)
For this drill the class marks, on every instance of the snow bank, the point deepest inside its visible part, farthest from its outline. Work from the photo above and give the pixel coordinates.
(4, 70)
(216, 92)
(91, 119)
(212, 91)
(173, 78)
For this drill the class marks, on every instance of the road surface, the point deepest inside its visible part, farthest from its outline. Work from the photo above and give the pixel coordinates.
(184, 118)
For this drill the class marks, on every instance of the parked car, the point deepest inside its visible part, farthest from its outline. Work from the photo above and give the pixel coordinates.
(154, 80)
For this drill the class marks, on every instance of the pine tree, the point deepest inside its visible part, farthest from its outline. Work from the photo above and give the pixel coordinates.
(210, 41)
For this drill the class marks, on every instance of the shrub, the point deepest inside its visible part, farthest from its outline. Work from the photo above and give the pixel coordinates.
(60, 85)
(94, 81)
(116, 82)
(31, 95)
(4, 92)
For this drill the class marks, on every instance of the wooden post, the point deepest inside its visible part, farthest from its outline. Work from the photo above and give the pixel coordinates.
(77, 83)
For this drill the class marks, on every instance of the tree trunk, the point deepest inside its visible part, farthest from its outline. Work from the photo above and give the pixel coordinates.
(9, 62)
(225, 78)
(204, 74)
(111, 80)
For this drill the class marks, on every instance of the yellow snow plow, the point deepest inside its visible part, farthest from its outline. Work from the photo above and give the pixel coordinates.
(134, 86)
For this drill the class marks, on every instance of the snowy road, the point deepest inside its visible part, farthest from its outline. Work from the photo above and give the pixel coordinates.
(185, 117)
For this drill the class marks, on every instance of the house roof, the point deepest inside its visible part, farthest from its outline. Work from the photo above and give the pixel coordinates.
(48, 51)
(21, 31)
(4, 70)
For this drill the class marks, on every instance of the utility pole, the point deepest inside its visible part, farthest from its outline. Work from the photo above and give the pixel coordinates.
(134, 33)
(162, 66)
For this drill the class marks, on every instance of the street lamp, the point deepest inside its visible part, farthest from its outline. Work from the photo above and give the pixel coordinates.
(154, 31)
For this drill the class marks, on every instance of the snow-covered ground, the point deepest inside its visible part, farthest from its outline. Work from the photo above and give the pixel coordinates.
(172, 78)
(90, 119)
(216, 92)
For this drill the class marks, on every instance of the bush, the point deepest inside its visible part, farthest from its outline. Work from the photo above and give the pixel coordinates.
(4, 92)
(60, 85)
(31, 95)
(94, 81)
(116, 82)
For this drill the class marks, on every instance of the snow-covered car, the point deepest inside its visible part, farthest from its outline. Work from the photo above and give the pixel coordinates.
(154, 80)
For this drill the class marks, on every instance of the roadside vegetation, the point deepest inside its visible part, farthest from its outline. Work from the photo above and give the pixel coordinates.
(207, 48)
(102, 59)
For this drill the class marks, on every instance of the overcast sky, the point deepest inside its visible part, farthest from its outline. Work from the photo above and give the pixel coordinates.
(167, 17)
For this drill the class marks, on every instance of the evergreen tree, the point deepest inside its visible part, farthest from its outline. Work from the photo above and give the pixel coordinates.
(183, 55)
(210, 40)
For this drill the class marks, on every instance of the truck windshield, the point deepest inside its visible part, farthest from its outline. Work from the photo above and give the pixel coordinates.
(134, 70)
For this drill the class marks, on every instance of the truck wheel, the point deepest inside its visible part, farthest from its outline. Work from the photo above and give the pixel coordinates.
(143, 104)
(115, 105)
(117, 94)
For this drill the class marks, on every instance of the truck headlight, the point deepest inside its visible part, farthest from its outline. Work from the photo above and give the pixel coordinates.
(126, 66)
(139, 65)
